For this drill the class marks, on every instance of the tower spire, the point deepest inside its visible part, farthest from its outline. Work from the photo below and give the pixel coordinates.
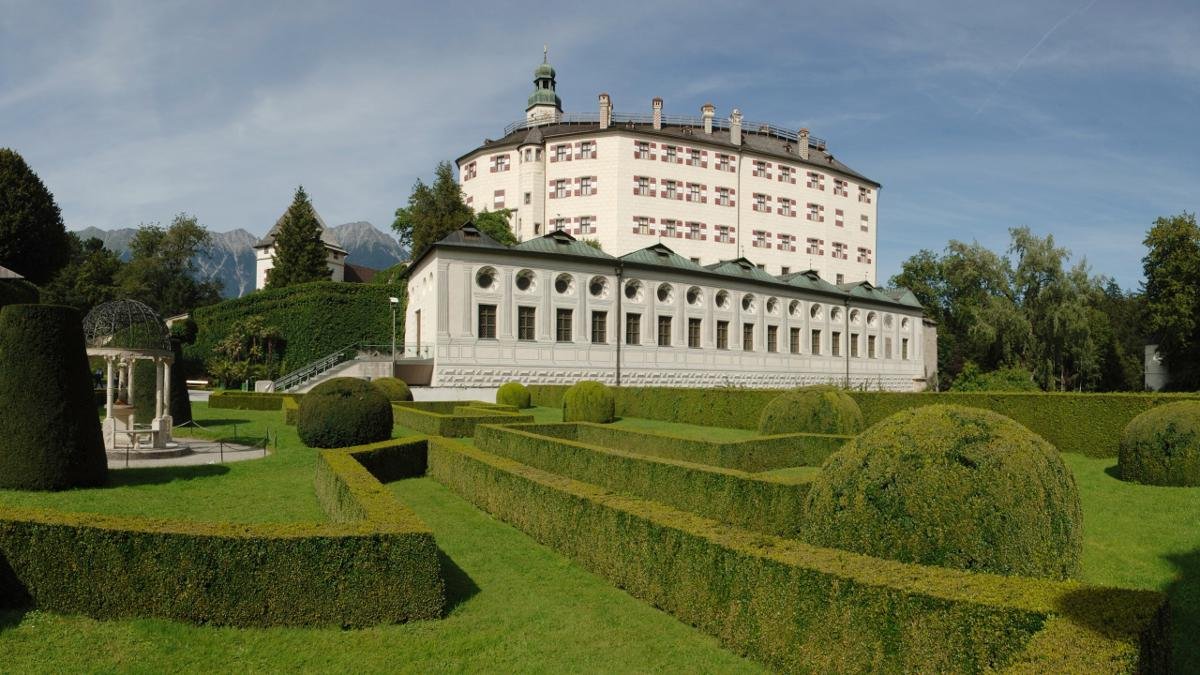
(545, 53)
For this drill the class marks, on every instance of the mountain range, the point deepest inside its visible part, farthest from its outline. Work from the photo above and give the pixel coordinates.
(230, 258)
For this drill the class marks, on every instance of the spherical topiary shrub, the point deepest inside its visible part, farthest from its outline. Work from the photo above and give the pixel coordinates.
(589, 401)
(344, 411)
(394, 388)
(950, 486)
(513, 393)
(811, 410)
(49, 430)
(1162, 446)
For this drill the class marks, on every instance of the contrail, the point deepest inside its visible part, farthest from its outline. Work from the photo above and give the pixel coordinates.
(1034, 48)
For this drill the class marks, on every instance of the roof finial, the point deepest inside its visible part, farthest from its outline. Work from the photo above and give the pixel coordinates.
(545, 53)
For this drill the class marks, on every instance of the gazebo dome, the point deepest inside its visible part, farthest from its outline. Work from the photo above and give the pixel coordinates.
(126, 326)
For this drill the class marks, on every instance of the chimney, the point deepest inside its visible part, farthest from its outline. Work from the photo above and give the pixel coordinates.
(707, 111)
(657, 105)
(802, 141)
(605, 111)
(735, 127)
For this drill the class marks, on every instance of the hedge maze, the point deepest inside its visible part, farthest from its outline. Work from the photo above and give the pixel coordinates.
(374, 561)
(453, 419)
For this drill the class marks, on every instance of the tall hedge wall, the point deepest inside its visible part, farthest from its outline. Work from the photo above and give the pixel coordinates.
(313, 319)
(374, 563)
(1088, 424)
(734, 497)
(18, 292)
(798, 608)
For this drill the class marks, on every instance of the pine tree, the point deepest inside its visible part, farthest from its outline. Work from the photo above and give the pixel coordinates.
(432, 211)
(33, 240)
(299, 252)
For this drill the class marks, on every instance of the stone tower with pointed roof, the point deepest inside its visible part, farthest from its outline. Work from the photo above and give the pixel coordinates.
(545, 107)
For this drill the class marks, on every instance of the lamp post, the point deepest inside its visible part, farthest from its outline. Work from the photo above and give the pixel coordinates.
(394, 302)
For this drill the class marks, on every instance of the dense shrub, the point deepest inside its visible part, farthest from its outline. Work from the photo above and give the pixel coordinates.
(513, 393)
(181, 403)
(344, 411)
(302, 314)
(1162, 446)
(17, 292)
(393, 388)
(798, 608)
(1087, 424)
(249, 400)
(49, 430)
(373, 562)
(954, 487)
(589, 401)
(972, 378)
(812, 410)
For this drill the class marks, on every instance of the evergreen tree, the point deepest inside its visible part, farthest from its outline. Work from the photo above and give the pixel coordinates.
(33, 240)
(161, 269)
(300, 254)
(88, 279)
(432, 211)
(495, 225)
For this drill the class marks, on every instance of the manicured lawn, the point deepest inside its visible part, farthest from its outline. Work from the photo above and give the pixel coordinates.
(525, 607)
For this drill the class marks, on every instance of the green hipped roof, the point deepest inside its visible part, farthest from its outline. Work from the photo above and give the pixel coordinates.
(741, 267)
(562, 243)
(810, 280)
(661, 256)
(543, 70)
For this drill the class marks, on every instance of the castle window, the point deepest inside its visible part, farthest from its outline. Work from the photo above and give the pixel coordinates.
(787, 174)
(562, 325)
(586, 225)
(641, 150)
(670, 189)
(693, 192)
(864, 223)
(839, 251)
(839, 278)
(864, 255)
(904, 348)
(722, 335)
(814, 344)
(816, 181)
(670, 227)
(587, 185)
(723, 234)
(761, 169)
(694, 333)
(526, 324)
(839, 187)
(694, 157)
(500, 163)
(600, 327)
(794, 342)
(723, 197)
(835, 343)
(693, 230)
(787, 207)
(760, 202)
(748, 337)
(643, 186)
(816, 213)
(864, 195)
(839, 218)
(633, 328)
(498, 199)
(772, 338)
(560, 189)
(642, 225)
(562, 152)
(528, 198)
(854, 345)
(587, 150)
(487, 322)
(671, 154)
(760, 239)
(664, 331)
(815, 246)
(724, 163)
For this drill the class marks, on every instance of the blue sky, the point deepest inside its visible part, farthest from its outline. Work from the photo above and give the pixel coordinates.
(1076, 118)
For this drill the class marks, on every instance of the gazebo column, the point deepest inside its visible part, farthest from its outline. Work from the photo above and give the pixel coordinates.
(109, 394)
(132, 366)
(158, 388)
(167, 385)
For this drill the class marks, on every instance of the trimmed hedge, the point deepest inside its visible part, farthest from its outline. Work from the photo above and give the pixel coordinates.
(49, 430)
(374, 563)
(589, 401)
(514, 394)
(953, 487)
(812, 410)
(341, 412)
(1087, 424)
(302, 314)
(753, 455)
(394, 388)
(761, 504)
(291, 410)
(454, 419)
(1162, 446)
(796, 607)
(247, 400)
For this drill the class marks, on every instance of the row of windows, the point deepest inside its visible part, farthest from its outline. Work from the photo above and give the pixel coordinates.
(564, 332)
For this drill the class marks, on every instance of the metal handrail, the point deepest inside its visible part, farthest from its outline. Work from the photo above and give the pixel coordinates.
(350, 352)
(765, 128)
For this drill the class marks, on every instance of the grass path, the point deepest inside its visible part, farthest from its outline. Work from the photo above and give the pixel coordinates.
(520, 607)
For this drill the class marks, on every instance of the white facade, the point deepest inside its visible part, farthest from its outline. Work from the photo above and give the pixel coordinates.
(264, 253)
(718, 329)
(711, 190)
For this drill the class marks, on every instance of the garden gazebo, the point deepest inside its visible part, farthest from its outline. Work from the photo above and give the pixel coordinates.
(124, 332)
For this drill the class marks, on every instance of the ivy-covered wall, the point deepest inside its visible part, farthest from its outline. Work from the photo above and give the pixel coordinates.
(313, 319)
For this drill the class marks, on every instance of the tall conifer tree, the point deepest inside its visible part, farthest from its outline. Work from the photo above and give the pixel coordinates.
(299, 252)
(33, 240)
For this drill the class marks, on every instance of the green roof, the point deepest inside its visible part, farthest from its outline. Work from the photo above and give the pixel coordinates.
(743, 268)
(809, 279)
(661, 256)
(543, 70)
(562, 243)
(544, 97)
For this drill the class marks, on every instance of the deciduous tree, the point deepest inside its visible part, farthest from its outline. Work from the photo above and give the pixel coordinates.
(1172, 290)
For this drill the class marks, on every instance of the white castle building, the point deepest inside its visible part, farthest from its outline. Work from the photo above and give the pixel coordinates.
(712, 189)
(730, 254)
